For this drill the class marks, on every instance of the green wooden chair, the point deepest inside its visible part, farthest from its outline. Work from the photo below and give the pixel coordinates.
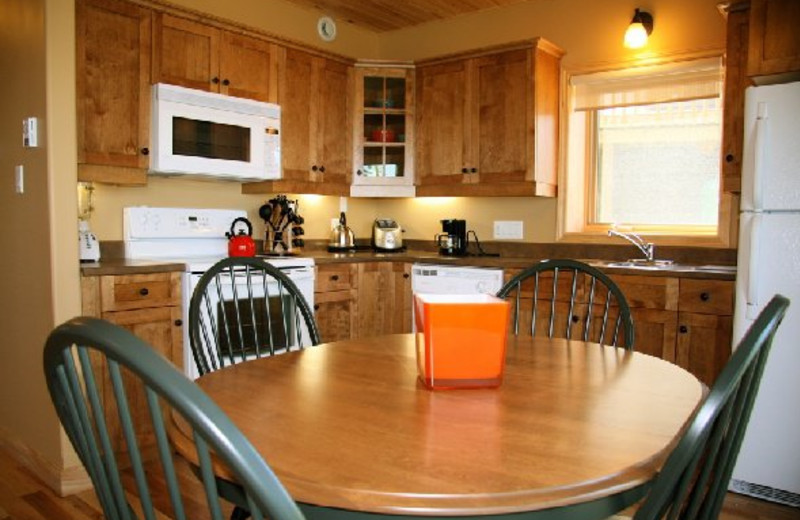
(569, 299)
(693, 482)
(76, 357)
(244, 308)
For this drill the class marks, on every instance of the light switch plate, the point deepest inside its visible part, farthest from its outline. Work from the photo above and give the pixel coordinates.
(508, 229)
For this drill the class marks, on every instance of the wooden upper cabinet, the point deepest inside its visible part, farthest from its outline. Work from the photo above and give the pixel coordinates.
(204, 57)
(316, 118)
(736, 81)
(487, 124)
(774, 40)
(113, 90)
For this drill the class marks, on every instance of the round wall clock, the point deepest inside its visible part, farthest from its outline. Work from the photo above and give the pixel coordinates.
(326, 28)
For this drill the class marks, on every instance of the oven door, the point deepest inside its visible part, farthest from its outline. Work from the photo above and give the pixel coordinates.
(249, 322)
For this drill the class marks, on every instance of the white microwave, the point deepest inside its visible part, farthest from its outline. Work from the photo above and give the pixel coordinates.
(213, 136)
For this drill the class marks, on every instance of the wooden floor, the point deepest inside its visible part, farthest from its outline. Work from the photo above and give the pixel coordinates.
(25, 497)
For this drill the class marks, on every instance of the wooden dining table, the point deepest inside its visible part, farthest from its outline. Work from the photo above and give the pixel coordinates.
(575, 430)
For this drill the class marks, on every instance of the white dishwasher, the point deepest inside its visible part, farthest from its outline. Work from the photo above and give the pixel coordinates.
(449, 279)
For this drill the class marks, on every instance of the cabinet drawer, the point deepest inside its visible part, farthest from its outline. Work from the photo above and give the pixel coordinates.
(140, 291)
(334, 277)
(707, 296)
(649, 292)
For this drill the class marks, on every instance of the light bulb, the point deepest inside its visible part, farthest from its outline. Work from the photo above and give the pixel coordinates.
(635, 36)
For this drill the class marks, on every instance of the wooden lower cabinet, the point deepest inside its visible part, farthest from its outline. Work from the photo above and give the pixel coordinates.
(687, 321)
(148, 305)
(359, 300)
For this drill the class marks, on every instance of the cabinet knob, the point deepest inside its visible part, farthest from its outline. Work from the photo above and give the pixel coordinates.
(683, 329)
(705, 296)
(729, 157)
(144, 291)
(576, 319)
(316, 306)
(178, 322)
(226, 82)
(464, 170)
(358, 172)
(145, 151)
(473, 170)
(314, 168)
(406, 275)
(335, 277)
(322, 169)
(215, 80)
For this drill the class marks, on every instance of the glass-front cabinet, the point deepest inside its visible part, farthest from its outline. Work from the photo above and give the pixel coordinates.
(383, 156)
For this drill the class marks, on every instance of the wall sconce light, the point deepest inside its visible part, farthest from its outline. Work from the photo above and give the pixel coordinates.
(640, 28)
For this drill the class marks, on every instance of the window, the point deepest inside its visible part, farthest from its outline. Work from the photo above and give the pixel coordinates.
(643, 150)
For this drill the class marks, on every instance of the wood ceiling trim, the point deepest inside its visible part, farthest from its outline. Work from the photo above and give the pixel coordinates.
(388, 15)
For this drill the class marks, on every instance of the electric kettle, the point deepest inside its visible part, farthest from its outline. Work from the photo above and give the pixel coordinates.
(342, 237)
(239, 242)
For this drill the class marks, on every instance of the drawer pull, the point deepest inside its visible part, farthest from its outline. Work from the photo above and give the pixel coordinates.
(335, 277)
(705, 296)
(143, 291)
(406, 275)
(178, 322)
(575, 319)
(683, 329)
(316, 306)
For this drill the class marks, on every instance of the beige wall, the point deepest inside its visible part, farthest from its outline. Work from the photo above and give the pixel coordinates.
(32, 273)
(286, 20)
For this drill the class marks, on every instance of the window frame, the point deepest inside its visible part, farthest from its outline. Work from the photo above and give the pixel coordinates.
(575, 201)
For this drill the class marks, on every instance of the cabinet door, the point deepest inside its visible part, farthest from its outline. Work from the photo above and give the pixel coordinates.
(704, 344)
(113, 87)
(774, 46)
(442, 96)
(248, 67)
(733, 111)
(334, 121)
(161, 328)
(297, 94)
(502, 126)
(335, 312)
(186, 53)
(374, 305)
(655, 332)
(400, 313)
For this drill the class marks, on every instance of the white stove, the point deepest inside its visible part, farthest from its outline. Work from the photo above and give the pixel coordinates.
(197, 238)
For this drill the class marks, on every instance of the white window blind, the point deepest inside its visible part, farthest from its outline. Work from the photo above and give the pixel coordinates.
(678, 81)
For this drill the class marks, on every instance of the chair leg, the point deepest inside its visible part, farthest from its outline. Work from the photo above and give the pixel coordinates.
(239, 513)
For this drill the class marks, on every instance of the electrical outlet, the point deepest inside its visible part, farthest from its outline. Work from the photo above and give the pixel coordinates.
(508, 229)
(334, 223)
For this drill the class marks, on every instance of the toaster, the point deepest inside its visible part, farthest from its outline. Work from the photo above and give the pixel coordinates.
(386, 235)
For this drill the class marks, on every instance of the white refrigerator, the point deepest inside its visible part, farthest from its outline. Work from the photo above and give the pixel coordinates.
(769, 263)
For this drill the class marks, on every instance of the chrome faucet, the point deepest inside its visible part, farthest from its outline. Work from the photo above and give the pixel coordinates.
(647, 248)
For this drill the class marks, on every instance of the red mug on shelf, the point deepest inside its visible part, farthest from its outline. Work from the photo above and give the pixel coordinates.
(383, 136)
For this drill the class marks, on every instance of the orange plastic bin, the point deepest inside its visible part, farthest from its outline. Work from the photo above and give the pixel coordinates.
(461, 340)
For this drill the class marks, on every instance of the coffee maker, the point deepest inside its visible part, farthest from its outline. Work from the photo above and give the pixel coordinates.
(453, 239)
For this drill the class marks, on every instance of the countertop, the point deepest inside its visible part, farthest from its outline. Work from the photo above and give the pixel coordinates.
(122, 266)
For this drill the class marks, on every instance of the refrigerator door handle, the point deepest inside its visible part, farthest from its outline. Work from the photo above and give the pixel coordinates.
(760, 140)
(752, 299)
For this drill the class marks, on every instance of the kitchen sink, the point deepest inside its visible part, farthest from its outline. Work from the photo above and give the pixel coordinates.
(662, 265)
